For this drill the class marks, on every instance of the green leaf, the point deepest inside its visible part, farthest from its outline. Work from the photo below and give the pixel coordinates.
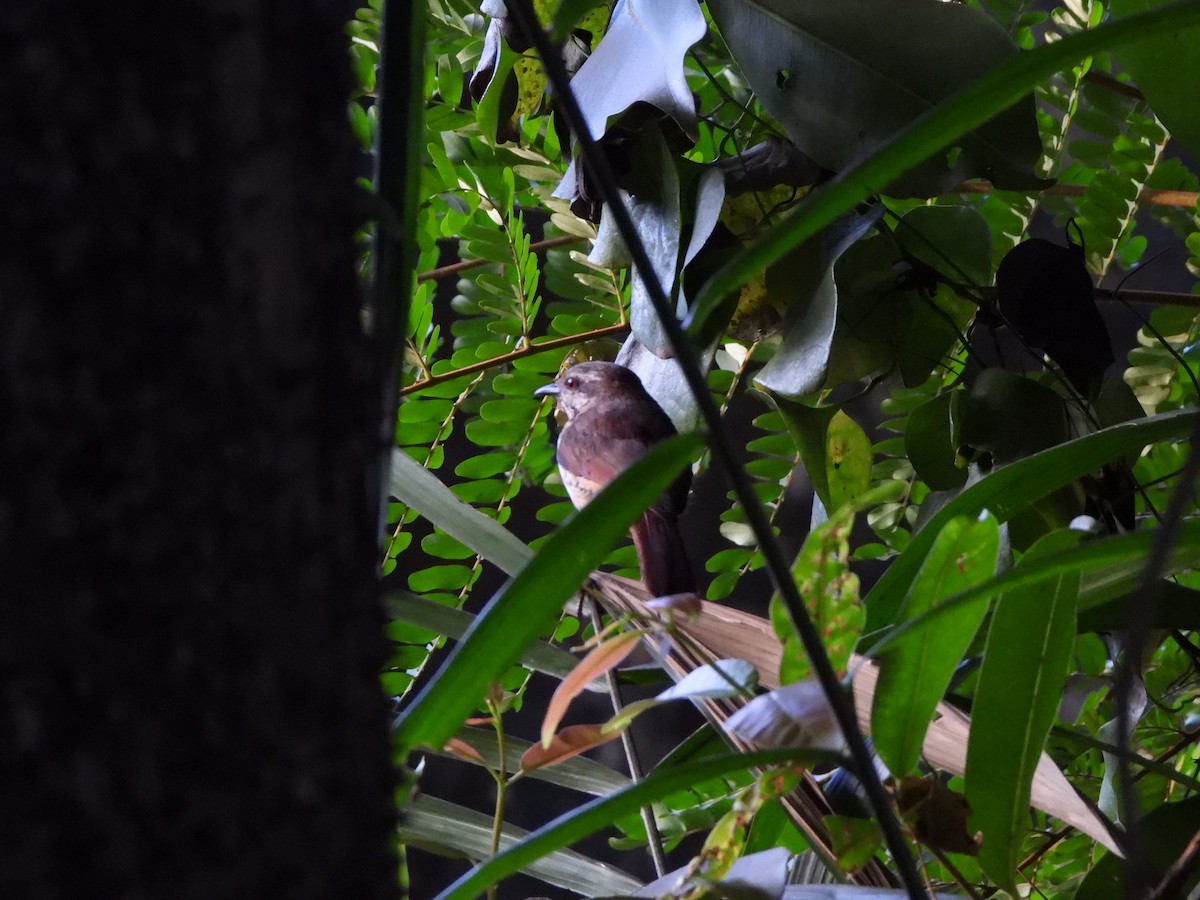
(954, 240)
(1107, 569)
(1003, 86)
(847, 461)
(830, 591)
(1008, 416)
(809, 428)
(405, 607)
(841, 89)
(1167, 69)
(523, 608)
(916, 669)
(1025, 662)
(930, 448)
(1008, 489)
(411, 483)
(599, 813)
(440, 825)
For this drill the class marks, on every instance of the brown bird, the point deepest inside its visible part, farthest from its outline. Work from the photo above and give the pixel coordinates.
(611, 422)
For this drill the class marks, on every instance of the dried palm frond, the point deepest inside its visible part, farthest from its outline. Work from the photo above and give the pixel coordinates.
(716, 632)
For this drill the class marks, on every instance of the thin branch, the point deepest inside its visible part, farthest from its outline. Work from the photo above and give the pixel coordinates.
(454, 268)
(1180, 872)
(722, 448)
(519, 353)
(653, 838)
(1101, 79)
(1158, 298)
(1154, 196)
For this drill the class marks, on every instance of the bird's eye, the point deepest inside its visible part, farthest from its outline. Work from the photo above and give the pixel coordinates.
(571, 381)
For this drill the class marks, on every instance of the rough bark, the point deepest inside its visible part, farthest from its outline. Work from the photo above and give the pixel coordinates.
(189, 639)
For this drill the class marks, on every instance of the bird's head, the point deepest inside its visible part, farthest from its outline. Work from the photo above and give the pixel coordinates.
(590, 382)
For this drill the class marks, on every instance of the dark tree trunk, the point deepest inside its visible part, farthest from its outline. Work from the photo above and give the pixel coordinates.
(189, 639)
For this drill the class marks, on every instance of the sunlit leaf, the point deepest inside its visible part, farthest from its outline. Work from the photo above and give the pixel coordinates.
(1029, 646)
(916, 669)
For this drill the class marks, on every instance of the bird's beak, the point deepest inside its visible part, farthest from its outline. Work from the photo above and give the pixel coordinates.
(547, 390)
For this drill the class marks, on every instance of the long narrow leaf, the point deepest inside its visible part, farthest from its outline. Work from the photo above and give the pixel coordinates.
(521, 610)
(1125, 552)
(916, 670)
(1008, 489)
(1020, 685)
(591, 817)
(454, 623)
(968, 109)
(443, 826)
(415, 485)
(580, 773)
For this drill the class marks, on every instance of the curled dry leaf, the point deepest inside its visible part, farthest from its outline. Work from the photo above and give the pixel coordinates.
(571, 741)
(938, 815)
(463, 750)
(606, 656)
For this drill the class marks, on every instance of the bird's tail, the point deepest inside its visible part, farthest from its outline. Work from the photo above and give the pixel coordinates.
(662, 555)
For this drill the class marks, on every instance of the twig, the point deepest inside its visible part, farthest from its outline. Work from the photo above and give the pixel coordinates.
(722, 448)
(1180, 872)
(1159, 298)
(519, 353)
(454, 268)
(1109, 83)
(653, 838)
(1155, 196)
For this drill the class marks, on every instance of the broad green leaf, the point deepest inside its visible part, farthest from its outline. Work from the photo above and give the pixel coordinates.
(848, 461)
(1008, 416)
(855, 841)
(414, 485)
(809, 428)
(1007, 489)
(835, 451)
(1000, 88)
(1167, 69)
(954, 240)
(830, 591)
(1025, 662)
(840, 88)
(524, 608)
(916, 669)
(440, 825)
(498, 98)
(602, 812)
(929, 446)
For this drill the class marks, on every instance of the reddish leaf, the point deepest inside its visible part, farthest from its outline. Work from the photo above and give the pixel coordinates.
(571, 741)
(607, 656)
(463, 750)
